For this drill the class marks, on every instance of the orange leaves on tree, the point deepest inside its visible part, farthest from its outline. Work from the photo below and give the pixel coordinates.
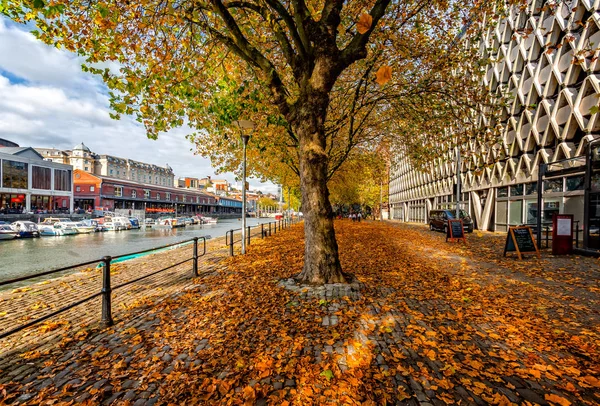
(559, 400)
(383, 75)
(364, 23)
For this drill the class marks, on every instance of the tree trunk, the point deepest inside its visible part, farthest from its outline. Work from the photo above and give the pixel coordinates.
(321, 260)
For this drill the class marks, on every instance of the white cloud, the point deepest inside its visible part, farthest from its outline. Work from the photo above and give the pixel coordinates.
(47, 101)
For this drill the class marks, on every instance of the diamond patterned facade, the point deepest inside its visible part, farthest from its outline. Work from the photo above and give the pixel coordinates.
(551, 119)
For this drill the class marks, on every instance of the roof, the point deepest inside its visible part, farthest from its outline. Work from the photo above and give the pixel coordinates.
(81, 147)
(21, 151)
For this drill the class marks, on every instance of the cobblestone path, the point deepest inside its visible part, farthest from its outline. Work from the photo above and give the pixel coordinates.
(425, 323)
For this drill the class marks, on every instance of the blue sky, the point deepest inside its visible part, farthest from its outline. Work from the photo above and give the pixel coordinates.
(47, 101)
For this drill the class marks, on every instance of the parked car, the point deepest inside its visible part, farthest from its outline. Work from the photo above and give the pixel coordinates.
(438, 220)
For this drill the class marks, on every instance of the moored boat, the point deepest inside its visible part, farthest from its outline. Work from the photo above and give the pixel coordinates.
(82, 228)
(52, 226)
(7, 232)
(26, 229)
(135, 222)
(208, 220)
(167, 222)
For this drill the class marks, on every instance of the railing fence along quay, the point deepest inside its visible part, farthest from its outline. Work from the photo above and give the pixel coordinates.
(266, 230)
(106, 291)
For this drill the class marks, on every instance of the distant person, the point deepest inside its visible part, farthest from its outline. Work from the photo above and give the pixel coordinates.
(358, 216)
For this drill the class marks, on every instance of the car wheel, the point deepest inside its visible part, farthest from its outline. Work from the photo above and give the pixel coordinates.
(446, 230)
(430, 227)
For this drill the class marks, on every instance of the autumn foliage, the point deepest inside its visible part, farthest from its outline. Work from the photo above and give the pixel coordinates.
(453, 323)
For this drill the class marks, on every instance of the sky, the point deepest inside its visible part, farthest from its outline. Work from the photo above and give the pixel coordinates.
(46, 100)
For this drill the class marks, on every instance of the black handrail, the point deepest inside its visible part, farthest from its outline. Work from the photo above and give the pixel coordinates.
(283, 223)
(107, 289)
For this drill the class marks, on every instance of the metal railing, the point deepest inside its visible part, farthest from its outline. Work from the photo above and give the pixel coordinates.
(266, 230)
(547, 233)
(107, 288)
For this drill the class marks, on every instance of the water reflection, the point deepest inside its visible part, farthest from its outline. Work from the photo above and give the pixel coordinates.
(21, 257)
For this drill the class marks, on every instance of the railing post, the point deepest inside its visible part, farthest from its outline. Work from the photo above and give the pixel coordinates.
(106, 291)
(269, 228)
(231, 243)
(195, 261)
(577, 235)
(248, 234)
(547, 228)
(262, 231)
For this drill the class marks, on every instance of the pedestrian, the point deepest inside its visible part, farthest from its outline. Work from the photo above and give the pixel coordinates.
(358, 216)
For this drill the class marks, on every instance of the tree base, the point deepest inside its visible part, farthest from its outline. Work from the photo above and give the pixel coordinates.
(313, 278)
(350, 290)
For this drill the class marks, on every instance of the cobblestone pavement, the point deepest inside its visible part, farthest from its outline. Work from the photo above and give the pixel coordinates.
(425, 323)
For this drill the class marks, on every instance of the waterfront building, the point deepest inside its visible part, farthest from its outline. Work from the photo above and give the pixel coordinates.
(28, 183)
(105, 193)
(551, 124)
(82, 158)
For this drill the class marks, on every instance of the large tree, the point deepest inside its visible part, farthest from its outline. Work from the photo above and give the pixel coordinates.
(314, 75)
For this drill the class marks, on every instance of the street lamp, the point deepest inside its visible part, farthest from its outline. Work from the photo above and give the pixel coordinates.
(244, 125)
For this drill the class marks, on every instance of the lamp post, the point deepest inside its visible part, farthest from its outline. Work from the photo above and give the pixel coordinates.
(244, 125)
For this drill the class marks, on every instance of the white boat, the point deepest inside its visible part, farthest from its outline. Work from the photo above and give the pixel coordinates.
(165, 223)
(52, 226)
(208, 220)
(82, 228)
(25, 229)
(7, 232)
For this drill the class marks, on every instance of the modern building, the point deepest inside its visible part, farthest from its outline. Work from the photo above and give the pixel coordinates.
(28, 183)
(105, 193)
(82, 158)
(548, 129)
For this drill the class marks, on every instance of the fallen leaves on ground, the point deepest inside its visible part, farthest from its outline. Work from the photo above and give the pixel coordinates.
(456, 323)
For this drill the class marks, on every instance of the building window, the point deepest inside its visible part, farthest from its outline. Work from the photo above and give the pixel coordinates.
(111, 171)
(516, 190)
(77, 189)
(118, 191)
(40, 177)
(531, 188)
(14, 175)
(134, 194)
(62, 180)
(553, 185)
(176, 198)
(168, 196)
(92, 188)
(575, 183)
(147, 194)
(157, 196)
(503, 191)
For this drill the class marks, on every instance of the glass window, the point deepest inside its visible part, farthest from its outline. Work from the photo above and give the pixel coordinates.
(503, 191)
(553, 185)
(92, 188)
(134, 194)
(118, 191)
(596, 182)
(168, 196)
(62, 180)
(77, 189)
(575, 182)
(40, 177)
(550, 207)
(147, 194)
(14, 175)
(531, 188)
(158, 196)
(516, 190)
(515, 213)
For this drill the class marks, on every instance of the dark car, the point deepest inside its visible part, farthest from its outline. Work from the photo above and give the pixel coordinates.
(438, 220)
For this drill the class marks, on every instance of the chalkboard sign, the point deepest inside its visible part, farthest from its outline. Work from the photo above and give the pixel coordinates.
(520, 239)
(456, 230)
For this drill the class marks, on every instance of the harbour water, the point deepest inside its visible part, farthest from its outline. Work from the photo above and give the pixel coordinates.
(27, 256)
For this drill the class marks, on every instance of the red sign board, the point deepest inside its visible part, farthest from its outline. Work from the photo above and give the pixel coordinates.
(562, 234)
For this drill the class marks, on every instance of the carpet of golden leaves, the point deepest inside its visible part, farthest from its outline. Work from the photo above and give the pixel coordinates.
(436, 322)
